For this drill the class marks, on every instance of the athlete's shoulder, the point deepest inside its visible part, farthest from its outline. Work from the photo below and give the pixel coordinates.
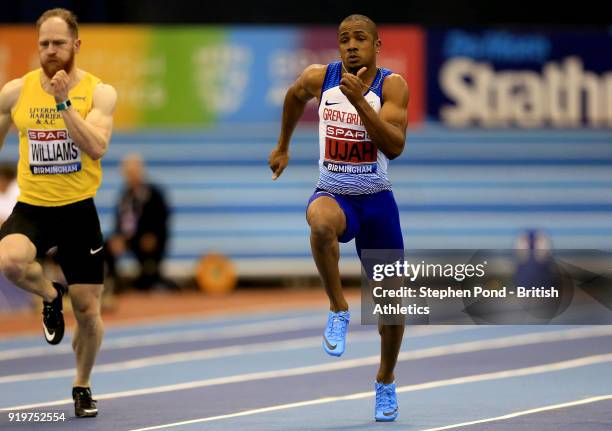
(105, 97)
(309, 83)
(395, 80)
(9, 94)
(13, 85)
(315, 73)
(395, 86)
(105, 89)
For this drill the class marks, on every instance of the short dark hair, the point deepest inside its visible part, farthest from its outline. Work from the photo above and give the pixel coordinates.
(68, 16)
(371, 24)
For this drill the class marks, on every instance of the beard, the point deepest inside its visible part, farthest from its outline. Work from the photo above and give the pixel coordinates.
(52, 67)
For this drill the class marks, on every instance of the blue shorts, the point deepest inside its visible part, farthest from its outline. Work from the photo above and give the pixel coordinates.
(373, 220)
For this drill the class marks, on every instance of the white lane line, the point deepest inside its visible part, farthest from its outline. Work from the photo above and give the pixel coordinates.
(525, 412)
(249, 329)
(556, 366)
(306, 342)
(472, 346)
(238, 331)
(157, 323)
(227, 319)
(195, 355)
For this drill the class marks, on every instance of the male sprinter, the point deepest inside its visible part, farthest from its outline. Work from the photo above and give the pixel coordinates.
(64, 119)
(362, 124)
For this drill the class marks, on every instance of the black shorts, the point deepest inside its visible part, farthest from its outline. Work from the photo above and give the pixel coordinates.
(74, 229)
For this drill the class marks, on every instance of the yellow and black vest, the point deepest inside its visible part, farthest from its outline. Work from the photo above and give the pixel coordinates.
(52, 170)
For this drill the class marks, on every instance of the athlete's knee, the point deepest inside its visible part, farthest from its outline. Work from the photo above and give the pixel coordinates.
(13, 267)
(16, 254)
(88, 306)
(87, 317)
(86, 311)
(323, 231)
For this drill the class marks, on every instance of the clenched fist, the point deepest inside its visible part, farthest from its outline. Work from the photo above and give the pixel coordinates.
(59, 86)
(278, 161)
(352, 86)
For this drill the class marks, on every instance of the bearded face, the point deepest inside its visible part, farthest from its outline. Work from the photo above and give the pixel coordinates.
(57, 46)
(51, 64)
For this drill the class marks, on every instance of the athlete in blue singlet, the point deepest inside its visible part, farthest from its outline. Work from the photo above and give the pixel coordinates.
(362, 125)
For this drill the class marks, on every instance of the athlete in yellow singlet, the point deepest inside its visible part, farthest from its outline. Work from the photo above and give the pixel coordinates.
(64, 119)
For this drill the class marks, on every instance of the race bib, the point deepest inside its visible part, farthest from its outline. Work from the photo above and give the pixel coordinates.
(53, 152)
(349, 151)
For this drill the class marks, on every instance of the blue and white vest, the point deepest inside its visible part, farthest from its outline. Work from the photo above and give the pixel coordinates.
(349, 162)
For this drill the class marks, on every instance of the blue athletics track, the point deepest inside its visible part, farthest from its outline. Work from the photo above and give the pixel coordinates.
(266, 370)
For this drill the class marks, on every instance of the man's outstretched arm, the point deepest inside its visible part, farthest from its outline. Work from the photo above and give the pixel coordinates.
(306, 87)
(8, 97)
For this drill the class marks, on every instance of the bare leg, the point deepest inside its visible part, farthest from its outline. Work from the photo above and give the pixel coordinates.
(390, 344)
(18, 263)
(327, 222)
(89, 330)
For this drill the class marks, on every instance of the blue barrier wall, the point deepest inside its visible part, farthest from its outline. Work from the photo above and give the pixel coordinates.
(455, 189)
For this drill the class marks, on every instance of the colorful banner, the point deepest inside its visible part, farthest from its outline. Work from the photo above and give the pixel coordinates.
(493, 78)
(186, 76)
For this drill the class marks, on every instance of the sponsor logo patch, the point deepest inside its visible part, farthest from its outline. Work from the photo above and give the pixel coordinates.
(349, 151)
(53, 152)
